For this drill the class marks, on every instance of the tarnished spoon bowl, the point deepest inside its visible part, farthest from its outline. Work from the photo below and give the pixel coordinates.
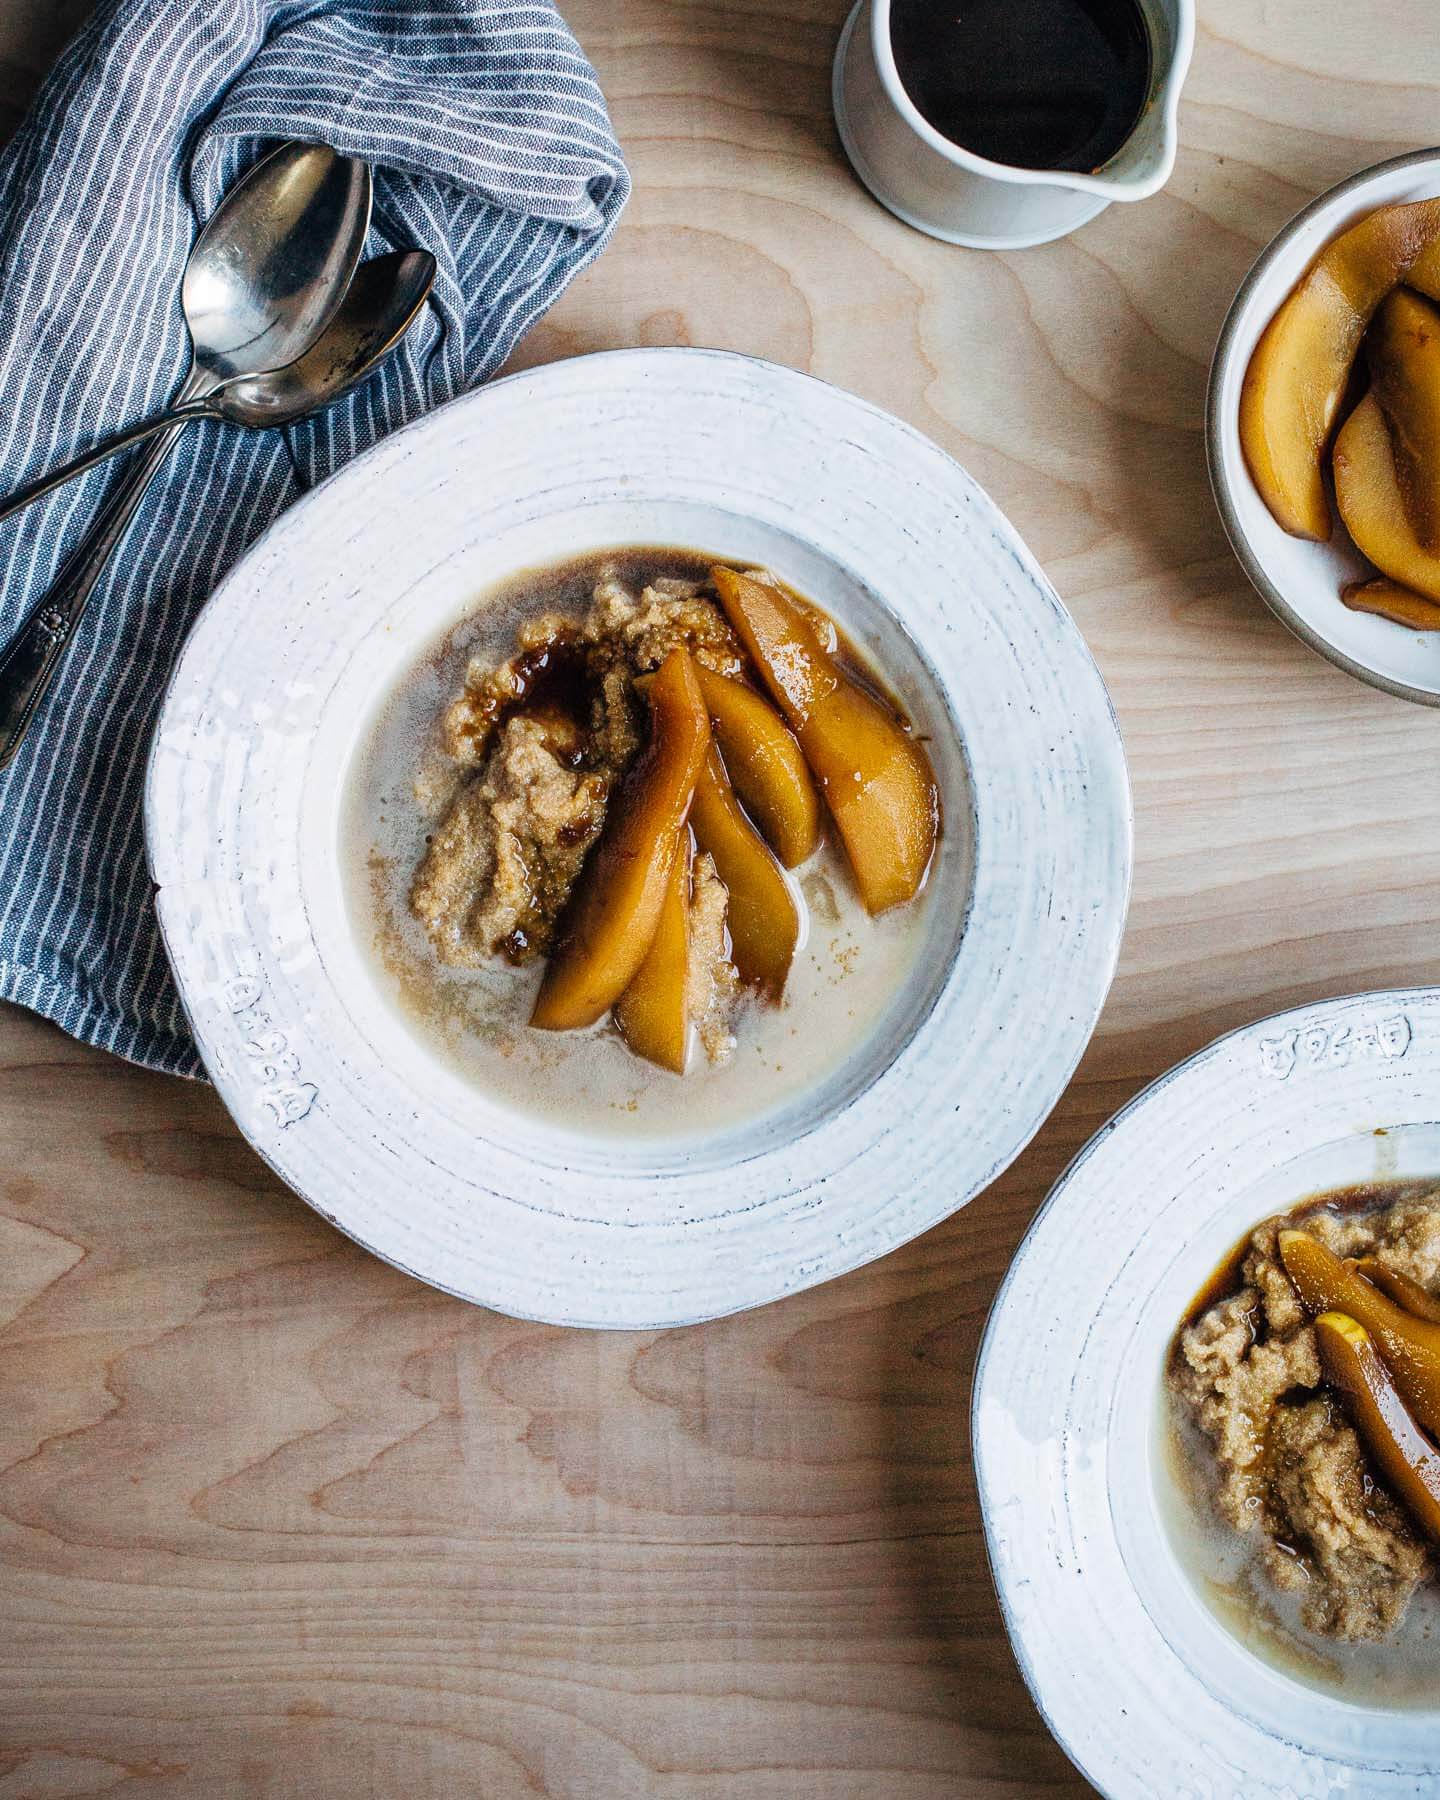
(269, 270)
(379, 309)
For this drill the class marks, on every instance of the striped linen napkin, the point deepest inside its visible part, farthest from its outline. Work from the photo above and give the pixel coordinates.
(492, 149)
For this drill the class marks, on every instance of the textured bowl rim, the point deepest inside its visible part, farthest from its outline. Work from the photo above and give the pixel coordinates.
(1276, 1023)
(1225, 347)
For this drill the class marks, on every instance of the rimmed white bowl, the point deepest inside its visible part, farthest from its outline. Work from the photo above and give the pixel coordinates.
(311, 631)
(1300, 581)
(1140, 1682)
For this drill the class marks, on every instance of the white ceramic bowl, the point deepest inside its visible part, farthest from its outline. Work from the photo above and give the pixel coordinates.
(306, 637)
(1143, 1686)
(1300, 581)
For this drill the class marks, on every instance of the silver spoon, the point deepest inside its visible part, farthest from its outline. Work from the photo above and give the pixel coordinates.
(380, 307)
(265, 277)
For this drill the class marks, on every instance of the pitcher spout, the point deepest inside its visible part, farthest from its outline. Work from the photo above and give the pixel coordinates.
(1144, 162)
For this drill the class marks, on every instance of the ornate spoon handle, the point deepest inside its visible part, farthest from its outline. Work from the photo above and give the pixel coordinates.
(29, 660)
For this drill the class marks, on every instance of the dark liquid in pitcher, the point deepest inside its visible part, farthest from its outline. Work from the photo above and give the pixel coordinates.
(1039, 84)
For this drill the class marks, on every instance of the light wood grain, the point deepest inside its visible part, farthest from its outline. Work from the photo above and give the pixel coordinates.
(275, 1520)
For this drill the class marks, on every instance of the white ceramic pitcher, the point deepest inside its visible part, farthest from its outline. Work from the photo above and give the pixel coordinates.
(938, 187)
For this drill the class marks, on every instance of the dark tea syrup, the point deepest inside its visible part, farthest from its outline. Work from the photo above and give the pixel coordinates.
(1038, 84)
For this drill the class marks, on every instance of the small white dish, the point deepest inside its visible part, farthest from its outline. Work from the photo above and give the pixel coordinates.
(949, 192)
(1301, 581)
(1143, 1686)
(315, 627)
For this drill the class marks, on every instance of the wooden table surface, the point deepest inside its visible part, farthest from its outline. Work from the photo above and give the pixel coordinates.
(275, 1520)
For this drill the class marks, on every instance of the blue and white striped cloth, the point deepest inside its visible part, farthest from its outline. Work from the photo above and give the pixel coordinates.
(492, 149)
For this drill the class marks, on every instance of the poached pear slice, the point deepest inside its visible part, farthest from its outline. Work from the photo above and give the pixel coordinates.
(766, 766)
(614, 912)
(1404, 1455)
(1424, 273)
(1409, 1345)
(653, 1013)
(877, 781)
(1397, 1287)
(1367, 491)
(1300, 367)
(761, 914)
(1403, 351)
(1388, 600)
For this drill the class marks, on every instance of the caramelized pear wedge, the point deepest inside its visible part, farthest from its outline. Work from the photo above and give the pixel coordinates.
(1410, 1346)
(653, 1013)
(765, 765)
(1404, 1455)
(1301, 365)
(1400, 1288)
(1424, 273)
(614, 912)
(876, 779)
(1367, 491)
(1403, 351)
(761, 914)
(1388, 600)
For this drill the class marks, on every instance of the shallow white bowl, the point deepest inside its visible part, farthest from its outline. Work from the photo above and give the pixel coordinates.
(311, 631)
(1300, 581)
(1144, 1687)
